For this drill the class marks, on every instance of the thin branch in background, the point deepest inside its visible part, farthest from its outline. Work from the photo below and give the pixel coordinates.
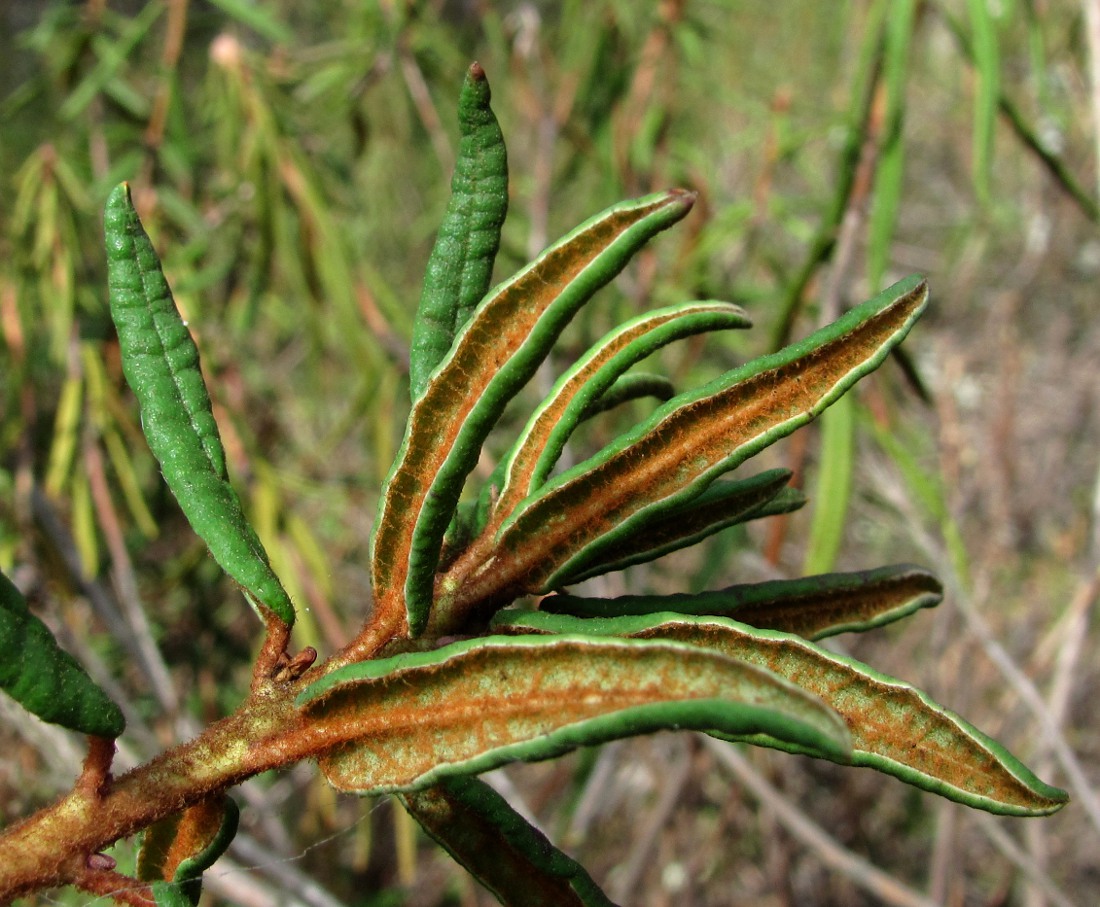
(656, 55)
(425, 108)
(102, 602)
(1034, 873)
(1030, 139)
(978, 628)
(126, 584)
(592, 799)
(392, 344)
(158, 116)
(1082, 788)
(624, 887)
(855, 210)
(226, 876)
(944, 851)
(824, 243)
(1074, 632)
(887, 889)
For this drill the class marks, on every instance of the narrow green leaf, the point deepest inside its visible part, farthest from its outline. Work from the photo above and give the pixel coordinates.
(161, 364)
(895, 728)
(466, 708)
(461, 264)
(723, 504)
(45, 679)
(812, 607)
(688, 442)
(500, 848)
(492, 357)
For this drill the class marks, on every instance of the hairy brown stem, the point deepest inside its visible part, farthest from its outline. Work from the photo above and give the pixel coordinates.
(53, 846)
(95, 776)
(105, 883)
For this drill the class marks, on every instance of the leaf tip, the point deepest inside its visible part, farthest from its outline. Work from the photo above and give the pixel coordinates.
(683, 197)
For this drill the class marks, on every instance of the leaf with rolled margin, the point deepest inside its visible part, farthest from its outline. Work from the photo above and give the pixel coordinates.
(895, 728)
(45, 679)
(812, 607)
(632, 386)
(407, 721)
(498, 847)
(177, 850)
(460, 267)
(544, 437)
(161, 364)
(723, 504)
(492, 357)
(684, 446)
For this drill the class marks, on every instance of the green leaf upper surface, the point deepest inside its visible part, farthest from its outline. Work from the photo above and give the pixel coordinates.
(460, 268)
(895, 728)
(161, 363)
(813, 606)
(410, 720)
(496, 845)
(493, 356)
(44, 678)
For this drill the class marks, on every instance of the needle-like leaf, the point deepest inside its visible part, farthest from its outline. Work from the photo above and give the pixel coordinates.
(895, 728)
(499, 847)
(813, 606)
(410, 720)
(492, 357)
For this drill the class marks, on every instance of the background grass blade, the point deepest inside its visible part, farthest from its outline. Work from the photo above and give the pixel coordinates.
(833, 487)
(500, 848)
(987, 64)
